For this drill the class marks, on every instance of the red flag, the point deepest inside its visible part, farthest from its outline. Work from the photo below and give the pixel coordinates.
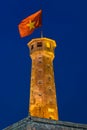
(29, 24)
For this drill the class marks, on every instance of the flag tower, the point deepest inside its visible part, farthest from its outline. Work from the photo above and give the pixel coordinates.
(43, 103)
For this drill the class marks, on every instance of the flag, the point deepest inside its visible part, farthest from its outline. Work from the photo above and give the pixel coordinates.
(29, 24)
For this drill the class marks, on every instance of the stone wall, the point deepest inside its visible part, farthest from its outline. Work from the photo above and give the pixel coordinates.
(33, 123)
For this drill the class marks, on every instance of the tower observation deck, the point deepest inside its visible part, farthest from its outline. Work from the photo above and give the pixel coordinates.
(43, 102)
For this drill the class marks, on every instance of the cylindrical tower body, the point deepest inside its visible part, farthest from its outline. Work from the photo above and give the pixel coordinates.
(43, 102)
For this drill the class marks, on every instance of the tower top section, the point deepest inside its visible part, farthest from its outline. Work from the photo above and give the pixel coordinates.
(44, 39)
(43, 101)
(42, 45)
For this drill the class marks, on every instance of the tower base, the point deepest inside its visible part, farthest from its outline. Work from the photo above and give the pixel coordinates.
(33, 123)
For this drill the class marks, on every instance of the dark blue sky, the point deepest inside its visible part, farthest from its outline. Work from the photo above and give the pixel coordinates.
(64, 21)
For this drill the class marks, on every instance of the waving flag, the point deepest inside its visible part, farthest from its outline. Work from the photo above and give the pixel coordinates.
(29, 24)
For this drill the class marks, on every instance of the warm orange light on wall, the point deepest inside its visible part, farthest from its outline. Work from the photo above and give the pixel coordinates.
(43, 101)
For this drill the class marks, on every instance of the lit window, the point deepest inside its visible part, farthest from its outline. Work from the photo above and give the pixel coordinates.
(50, 110)
(48, 45)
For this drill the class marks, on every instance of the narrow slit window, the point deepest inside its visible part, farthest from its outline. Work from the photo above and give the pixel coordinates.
(32, 47)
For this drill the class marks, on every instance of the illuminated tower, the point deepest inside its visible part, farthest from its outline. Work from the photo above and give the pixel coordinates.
(43, 101)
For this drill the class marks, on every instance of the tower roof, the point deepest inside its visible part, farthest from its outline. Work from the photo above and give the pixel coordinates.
(42, 39)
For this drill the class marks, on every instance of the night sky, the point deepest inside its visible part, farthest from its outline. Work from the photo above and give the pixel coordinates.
(65, 21)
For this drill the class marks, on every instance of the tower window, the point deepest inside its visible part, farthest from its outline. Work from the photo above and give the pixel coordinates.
(40, 82)
(40, 94)
(48, 45)
(39, 44)
(49, 77)
(49, 88)
(40, 59)
(32, 47)
(40, 70)
(50, 102)
(48, 66)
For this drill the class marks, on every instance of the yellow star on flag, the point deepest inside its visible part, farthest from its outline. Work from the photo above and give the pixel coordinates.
(31, 25)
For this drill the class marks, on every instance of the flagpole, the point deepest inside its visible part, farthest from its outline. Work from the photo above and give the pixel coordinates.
(42, 26)
(41, 33)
